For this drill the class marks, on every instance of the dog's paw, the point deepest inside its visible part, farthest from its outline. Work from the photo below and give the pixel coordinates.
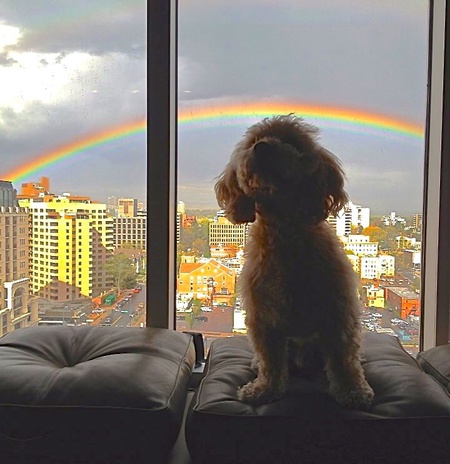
(360, 397)
(257, 393)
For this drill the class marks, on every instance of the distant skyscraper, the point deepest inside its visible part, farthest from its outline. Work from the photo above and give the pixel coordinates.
(16, 308)
(127, 207)
(417, 222)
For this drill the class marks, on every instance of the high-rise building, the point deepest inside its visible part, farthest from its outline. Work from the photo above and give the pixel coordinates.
(350, 215)
(342, 223)
(127, 207)
(417, 222)
(224, 233)
(71, 238)
(360, 215)
(130, 231)
(17, 309)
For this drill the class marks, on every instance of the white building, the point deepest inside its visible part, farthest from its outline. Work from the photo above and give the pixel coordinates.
(360, 245)
(350, 215)
(393, 219)
(360, 215)
(342, 223)
(372, 267)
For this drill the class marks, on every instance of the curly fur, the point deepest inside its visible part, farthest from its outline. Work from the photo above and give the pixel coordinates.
(297, 284)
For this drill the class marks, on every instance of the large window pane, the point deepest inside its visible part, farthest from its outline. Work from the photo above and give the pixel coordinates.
(356, 70)
(73, 141)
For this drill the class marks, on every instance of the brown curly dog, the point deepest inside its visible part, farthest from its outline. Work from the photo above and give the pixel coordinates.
(297, 284)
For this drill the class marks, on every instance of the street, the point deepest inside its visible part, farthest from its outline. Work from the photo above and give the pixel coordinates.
(124, 313)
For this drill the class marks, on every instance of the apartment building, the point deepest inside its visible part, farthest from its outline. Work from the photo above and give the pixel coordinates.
(360, 245)
(17, 309)
(342, 222)
(373, 267)
(70, 239)
(130, 231)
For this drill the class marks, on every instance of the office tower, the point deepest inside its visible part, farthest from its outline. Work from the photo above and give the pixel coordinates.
(16, 308)
(223, 232)
(127, 207)
(70, 240)
(130, 231)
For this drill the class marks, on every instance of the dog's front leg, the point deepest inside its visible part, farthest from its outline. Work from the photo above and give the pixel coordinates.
(345, 373)
(271, 361)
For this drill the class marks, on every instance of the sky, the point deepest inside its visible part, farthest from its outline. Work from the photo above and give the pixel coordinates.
(70, 70)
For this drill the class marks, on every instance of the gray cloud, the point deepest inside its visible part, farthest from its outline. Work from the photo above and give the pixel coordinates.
(97, 27)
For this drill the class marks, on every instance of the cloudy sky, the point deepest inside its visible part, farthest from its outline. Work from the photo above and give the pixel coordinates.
(73, 68)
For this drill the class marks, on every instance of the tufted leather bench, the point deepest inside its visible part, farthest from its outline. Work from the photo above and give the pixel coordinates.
(92, 394)
(408, 423)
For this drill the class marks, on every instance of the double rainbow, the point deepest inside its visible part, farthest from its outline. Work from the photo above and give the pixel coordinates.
(340, 118)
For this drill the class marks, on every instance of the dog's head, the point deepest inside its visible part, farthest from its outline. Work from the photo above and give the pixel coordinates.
(278, 167)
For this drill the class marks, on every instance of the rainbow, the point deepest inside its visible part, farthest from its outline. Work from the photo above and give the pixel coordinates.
(88, 142)
(346, 119)
(343, 119)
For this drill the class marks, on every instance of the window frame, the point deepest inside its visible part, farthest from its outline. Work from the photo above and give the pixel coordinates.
(436, 212)
(162, 173)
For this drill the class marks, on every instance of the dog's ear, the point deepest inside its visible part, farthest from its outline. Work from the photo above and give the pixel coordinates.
(335, 195)
(239, 208)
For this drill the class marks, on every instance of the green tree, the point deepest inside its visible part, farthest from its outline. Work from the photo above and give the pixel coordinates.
(195, 238)
(120, 267)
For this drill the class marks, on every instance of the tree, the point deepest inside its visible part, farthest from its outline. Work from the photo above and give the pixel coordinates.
(195, 237)
(376, 234)
(120, 267)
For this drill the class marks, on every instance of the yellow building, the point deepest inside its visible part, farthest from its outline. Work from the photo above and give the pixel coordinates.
(199, 279)
(373, 297)
(70, 240)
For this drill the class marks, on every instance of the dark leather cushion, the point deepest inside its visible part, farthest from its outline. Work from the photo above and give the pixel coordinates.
(308, 425)
(436, 362)
(92, 394)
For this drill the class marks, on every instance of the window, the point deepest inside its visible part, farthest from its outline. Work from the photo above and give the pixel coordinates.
(232, 80)
(434, 298)
(88, 89)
